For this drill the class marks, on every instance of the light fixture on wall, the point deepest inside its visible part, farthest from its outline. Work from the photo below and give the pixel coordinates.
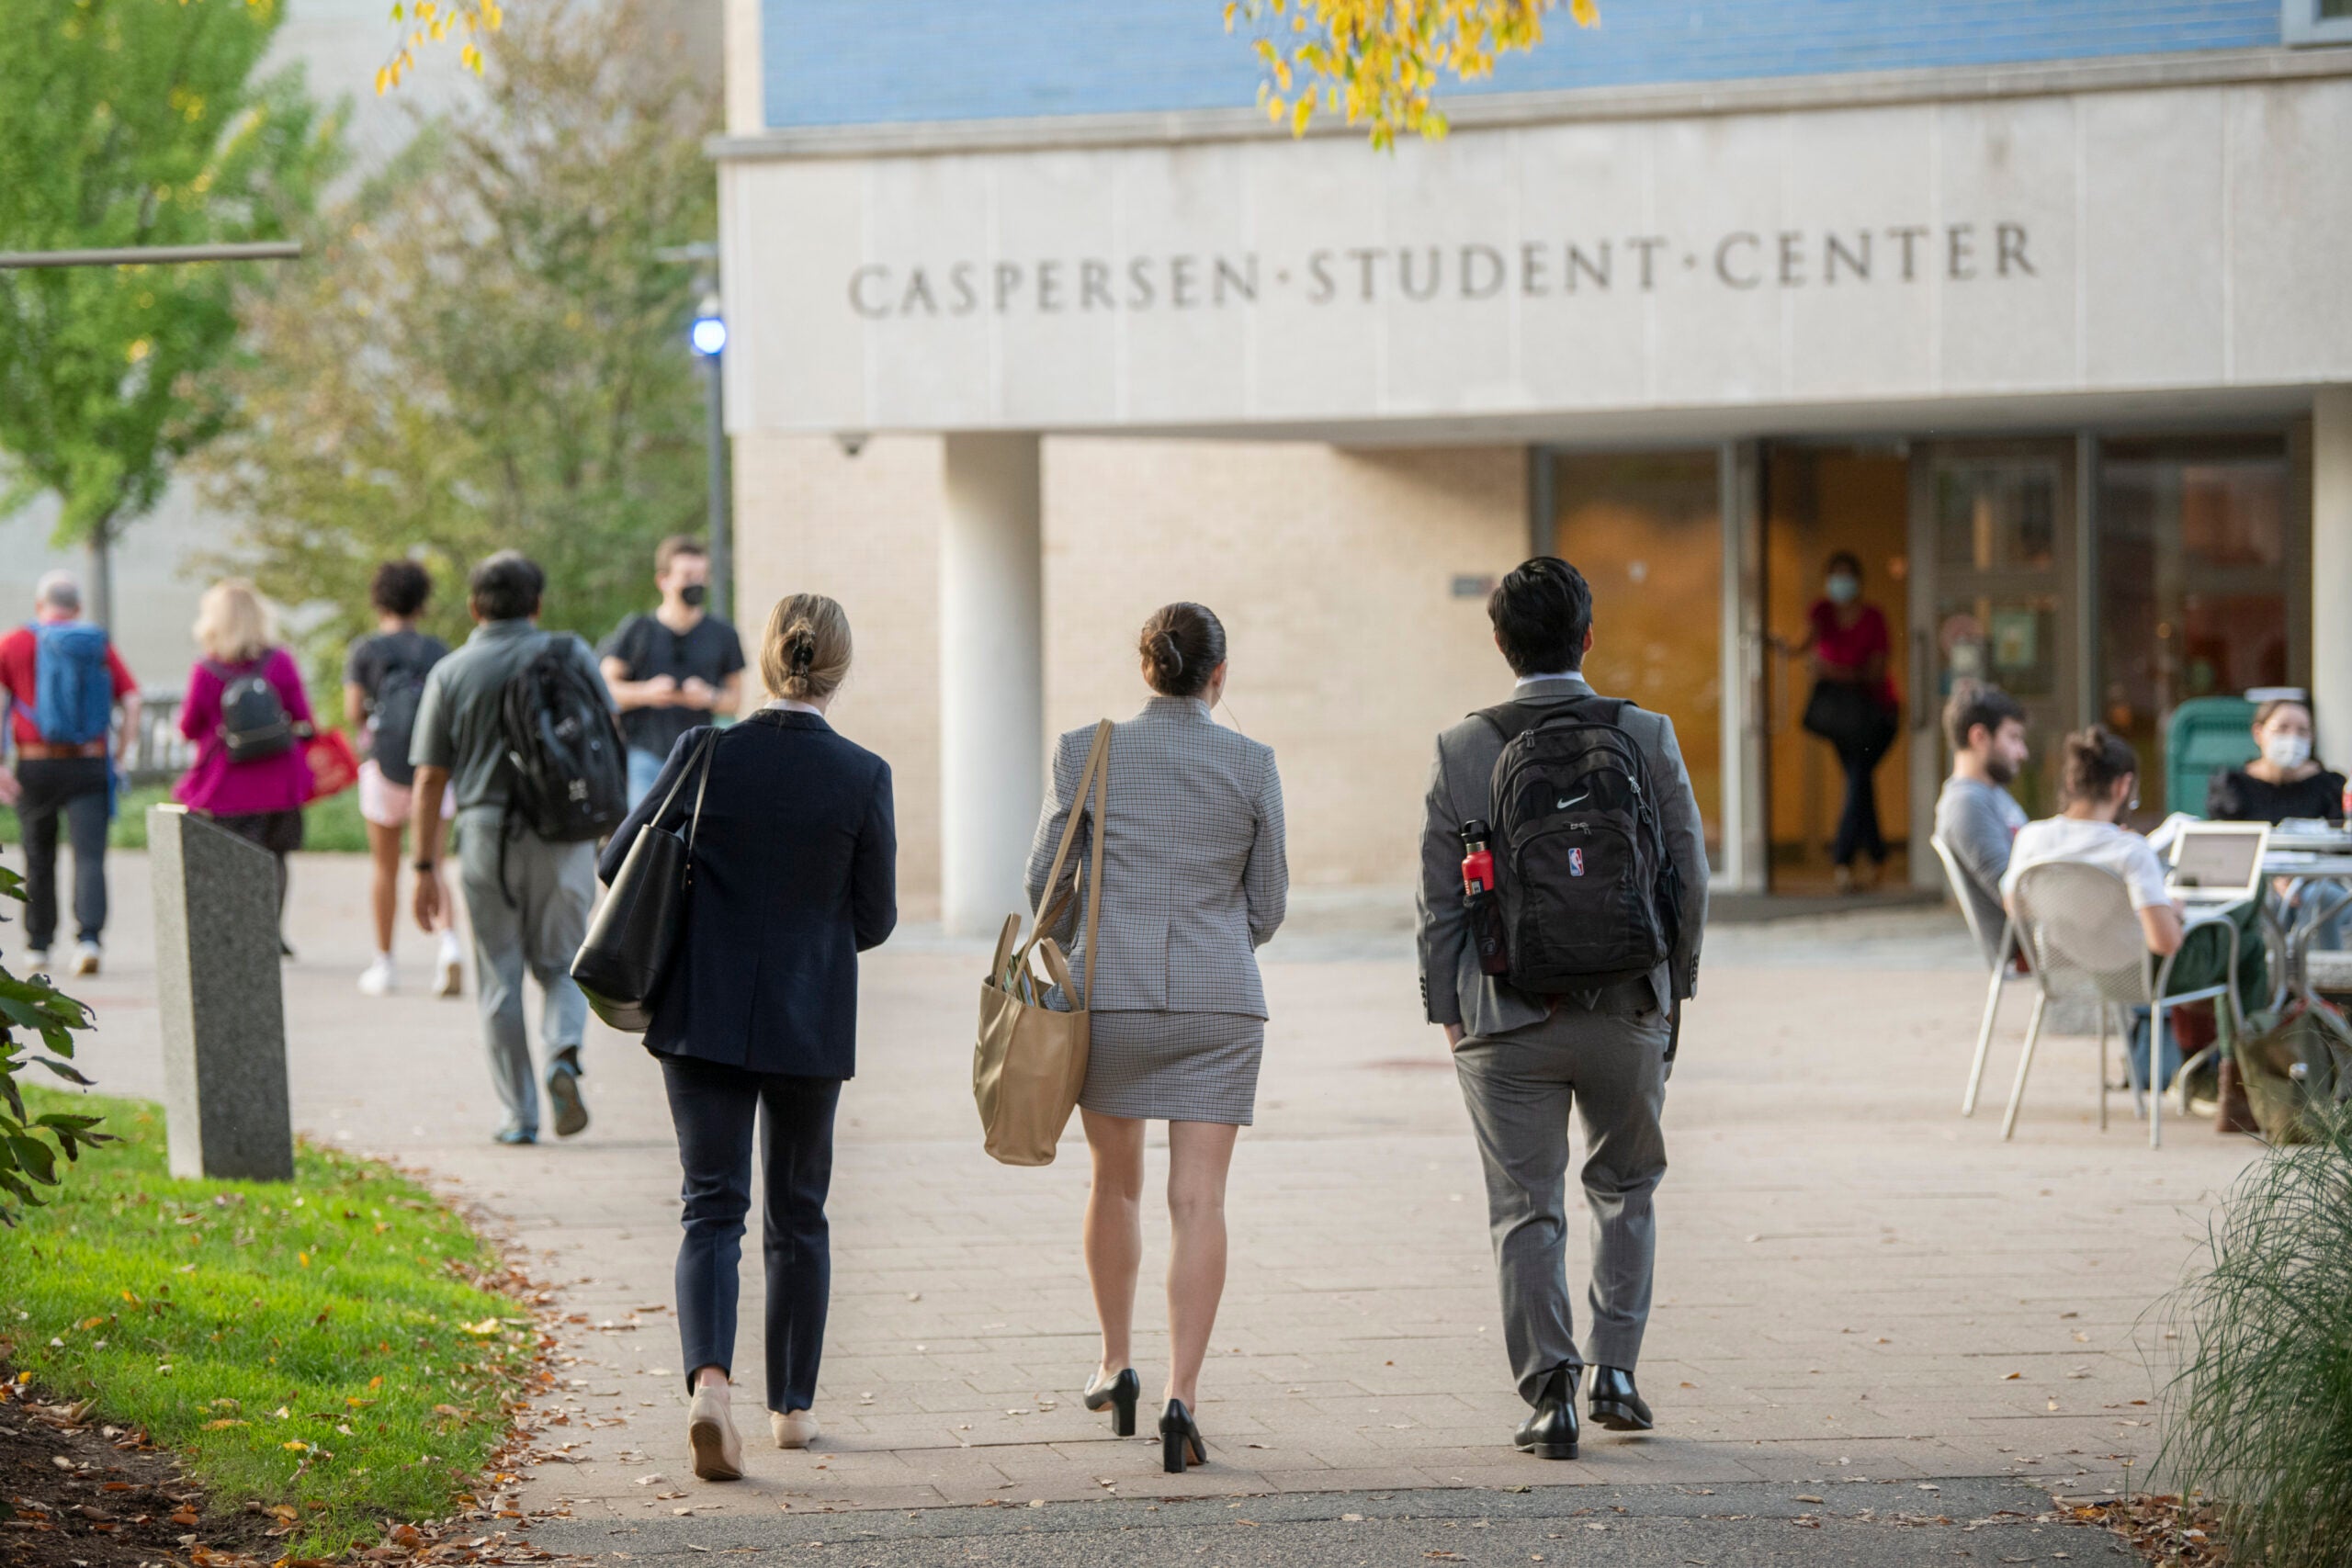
(708, 334)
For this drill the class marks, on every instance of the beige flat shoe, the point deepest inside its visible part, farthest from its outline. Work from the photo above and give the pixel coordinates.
(794, 1428)
(710, 1433)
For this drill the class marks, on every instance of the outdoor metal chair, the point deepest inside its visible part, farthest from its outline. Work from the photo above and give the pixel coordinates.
(2003, 948)
(2086, 944)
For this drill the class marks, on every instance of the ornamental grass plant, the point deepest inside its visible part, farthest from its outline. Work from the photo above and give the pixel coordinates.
(2260, 1418)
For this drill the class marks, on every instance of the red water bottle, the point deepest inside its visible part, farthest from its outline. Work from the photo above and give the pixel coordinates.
(1479, 897)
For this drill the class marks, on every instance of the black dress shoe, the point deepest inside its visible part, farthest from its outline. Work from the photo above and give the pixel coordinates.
(1551, 1432)
(1119, 1393)
(1179, 1439)
(1615, 1404)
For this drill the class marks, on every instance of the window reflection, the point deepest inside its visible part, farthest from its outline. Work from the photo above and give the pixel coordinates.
(2193, 591)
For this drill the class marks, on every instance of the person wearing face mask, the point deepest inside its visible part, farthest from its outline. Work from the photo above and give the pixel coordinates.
(1853, 706)
(670, 668)
(2286, 781)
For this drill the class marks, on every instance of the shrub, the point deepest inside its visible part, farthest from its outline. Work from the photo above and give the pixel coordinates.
(33, 1009)
(2261, 1416)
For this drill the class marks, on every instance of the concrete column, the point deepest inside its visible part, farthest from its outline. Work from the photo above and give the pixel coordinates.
(991, 677)
(741, 75)
(1744, 713)
(2332, 570)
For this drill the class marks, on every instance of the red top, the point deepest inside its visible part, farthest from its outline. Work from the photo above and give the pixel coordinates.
(1851, 648)
(240, 789)
(17, 651)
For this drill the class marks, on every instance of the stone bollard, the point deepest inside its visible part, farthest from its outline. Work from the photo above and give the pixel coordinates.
(222, 999)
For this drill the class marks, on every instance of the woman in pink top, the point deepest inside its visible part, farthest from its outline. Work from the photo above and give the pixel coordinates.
(260, 796)
(1853, 707)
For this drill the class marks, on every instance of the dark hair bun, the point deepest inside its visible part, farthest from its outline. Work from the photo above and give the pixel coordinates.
(1167, 659)
(1183, 644)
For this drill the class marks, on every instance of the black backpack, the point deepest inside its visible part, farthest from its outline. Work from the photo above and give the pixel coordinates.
(571, 777)
(254, 721)
(1589, 896)
(400, 691)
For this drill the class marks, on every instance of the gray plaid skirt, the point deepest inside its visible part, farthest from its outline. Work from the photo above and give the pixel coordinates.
(1173, 1067)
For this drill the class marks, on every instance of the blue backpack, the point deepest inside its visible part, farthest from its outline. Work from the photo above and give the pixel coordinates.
(72, 688)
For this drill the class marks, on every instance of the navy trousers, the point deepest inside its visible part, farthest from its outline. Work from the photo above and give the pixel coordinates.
(715, 1108)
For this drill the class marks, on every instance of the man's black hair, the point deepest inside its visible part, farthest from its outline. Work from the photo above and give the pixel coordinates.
(1978, 702)
(400, 588)
(1541, 611)
(507, 587)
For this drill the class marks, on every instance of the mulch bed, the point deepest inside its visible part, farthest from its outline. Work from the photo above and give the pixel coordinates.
(84, 1495)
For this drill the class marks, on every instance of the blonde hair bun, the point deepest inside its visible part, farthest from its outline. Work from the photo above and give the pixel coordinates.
(805, 652)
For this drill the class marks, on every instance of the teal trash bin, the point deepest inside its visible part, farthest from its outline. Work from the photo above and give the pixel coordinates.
(2206, 735)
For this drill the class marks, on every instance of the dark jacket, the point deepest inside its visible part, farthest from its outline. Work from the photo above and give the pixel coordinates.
(795, 874)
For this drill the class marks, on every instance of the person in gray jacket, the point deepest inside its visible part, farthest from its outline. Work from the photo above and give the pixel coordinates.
(1524, 1061)
(1194, 880)
(1976, 816)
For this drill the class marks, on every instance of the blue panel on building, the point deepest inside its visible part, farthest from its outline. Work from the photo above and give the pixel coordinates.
(863, 61)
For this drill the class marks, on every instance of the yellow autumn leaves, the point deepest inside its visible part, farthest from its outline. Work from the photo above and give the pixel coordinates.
(1377, 61)
(434, 22)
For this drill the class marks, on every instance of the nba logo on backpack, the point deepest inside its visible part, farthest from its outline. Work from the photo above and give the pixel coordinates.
(1576, 863)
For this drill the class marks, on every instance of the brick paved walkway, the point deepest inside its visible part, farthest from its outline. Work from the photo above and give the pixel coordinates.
(1852, 1282)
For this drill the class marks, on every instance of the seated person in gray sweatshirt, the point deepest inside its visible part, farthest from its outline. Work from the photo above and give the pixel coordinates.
(1975, 815)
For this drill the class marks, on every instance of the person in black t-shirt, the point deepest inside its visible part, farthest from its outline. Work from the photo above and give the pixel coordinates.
(383, 681)
(670, 668)
(2286, 781)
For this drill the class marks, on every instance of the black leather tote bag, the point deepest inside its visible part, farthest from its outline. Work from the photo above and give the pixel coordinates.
(1849, 715)
(634, 939)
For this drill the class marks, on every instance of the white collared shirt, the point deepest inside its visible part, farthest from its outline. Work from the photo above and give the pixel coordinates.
(791, 705)
(1526, 681)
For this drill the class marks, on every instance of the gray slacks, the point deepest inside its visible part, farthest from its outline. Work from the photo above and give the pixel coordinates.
(1610, 1067)
(535, 921)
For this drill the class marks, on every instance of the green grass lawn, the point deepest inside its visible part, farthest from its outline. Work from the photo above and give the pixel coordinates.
(317, 1345)
(332, 824)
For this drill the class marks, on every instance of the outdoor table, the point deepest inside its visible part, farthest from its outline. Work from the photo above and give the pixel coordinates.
(2299, 859)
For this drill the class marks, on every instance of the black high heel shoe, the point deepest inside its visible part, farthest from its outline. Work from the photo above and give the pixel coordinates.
(1180, 1438)
(1119, 1393)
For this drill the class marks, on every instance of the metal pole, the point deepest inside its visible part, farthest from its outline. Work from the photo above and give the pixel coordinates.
(723, 546)
(155, 256)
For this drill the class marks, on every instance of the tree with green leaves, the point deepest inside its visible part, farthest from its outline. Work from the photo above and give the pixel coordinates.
(485, 350)
(132, 123)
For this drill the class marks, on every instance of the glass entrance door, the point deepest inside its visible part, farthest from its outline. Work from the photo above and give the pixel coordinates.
(1999, 517)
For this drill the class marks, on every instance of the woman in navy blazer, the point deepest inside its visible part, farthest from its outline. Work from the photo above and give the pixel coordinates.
(795, 874)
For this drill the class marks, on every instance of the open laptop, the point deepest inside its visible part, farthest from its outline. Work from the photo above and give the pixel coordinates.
(2216, 864)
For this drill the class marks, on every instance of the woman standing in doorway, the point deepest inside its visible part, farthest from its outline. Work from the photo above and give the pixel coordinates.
(1853, 707)
(1194, 880)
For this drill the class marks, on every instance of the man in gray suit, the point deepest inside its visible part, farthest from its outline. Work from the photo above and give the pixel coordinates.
(1524, 1060)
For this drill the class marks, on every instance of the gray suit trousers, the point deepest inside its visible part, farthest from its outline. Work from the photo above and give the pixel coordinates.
(1521, 1087)
(553, 887)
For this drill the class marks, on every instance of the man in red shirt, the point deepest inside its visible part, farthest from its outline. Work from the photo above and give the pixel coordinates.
(66, 768)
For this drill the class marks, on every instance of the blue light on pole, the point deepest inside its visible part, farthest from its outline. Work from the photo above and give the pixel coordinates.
(708, 334)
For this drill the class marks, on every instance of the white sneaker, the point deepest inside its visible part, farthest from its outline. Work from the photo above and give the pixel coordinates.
(86, 958)
(377, 979)
(36, 960)
(711, 1438)
(452, 967)
(794, 1428)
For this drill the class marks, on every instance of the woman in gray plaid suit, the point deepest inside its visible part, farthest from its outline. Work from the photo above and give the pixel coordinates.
(1194, 882)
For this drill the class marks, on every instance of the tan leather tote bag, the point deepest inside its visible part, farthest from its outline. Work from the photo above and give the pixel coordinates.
(1029, 1064)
